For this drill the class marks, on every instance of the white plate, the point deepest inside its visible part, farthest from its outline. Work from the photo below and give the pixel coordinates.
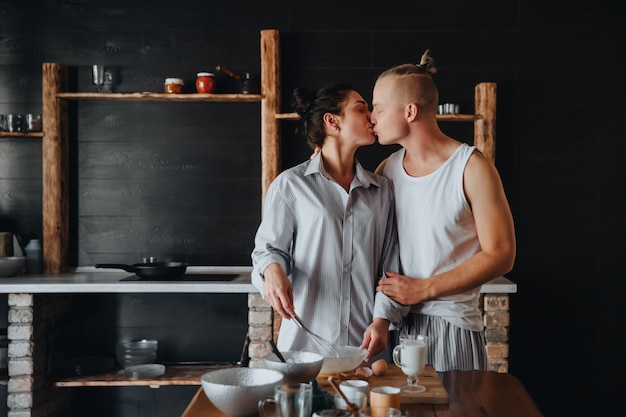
(144, 371)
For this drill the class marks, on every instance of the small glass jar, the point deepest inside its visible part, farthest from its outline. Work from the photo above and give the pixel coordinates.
(15, 123)
(174, 85)
(205, 82)
(33, 122)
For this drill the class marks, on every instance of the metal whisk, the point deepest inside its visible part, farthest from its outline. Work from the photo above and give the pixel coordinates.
(326, 348)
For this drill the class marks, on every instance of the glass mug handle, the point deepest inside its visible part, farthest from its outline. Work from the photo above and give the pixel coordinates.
(262, 405)
(396, 355)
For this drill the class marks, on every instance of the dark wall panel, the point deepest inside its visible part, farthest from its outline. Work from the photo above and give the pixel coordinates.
(175, 181)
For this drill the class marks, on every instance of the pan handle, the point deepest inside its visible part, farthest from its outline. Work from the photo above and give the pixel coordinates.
(227, 71)
(127, 268)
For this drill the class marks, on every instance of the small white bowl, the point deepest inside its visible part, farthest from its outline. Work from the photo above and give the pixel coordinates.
(299, 366)
(350, 358)
(11, 266)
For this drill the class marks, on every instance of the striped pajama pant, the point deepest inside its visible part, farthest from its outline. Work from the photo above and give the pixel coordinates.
(449, 346)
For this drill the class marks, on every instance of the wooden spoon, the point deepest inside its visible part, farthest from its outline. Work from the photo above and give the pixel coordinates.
(351, 406)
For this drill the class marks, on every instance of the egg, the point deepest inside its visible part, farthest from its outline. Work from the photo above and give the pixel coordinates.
(379, 367)
(363, 372)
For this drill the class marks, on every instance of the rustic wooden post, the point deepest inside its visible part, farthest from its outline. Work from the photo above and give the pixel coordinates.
(270, 135)
(270, 106)
(55, 169)
(485, 125)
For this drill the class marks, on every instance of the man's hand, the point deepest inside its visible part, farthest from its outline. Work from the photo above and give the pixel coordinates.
(404, 290)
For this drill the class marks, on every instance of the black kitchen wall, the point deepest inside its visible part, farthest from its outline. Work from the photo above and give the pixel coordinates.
(183, 180)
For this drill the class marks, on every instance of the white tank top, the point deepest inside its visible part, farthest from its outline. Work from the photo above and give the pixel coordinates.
(436, 231)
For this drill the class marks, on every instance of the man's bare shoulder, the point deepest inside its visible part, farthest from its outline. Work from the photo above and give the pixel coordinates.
(381, 167)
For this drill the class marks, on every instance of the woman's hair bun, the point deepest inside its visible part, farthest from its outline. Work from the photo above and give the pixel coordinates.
(302, 100)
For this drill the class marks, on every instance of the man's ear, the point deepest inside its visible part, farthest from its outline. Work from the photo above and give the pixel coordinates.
(411, 112)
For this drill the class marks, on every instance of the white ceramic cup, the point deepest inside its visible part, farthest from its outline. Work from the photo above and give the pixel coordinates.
(351, 386)
(357, 398)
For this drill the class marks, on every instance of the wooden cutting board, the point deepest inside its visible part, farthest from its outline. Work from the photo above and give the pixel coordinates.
(435, 391)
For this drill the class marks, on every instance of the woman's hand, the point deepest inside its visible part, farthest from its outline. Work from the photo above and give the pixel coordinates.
(277, 290)
(375, 338)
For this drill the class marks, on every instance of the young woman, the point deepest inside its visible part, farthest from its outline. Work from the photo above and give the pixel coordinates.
(328, 231)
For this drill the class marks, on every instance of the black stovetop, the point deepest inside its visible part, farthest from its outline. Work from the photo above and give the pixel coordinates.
(185, 277)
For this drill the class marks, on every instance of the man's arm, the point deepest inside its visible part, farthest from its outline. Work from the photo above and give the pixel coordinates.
(496, 234)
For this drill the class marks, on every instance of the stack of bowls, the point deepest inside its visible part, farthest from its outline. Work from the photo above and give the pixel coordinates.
(136, 352)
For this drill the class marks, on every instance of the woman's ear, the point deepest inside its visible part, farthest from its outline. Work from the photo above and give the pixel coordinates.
(411, 112)
(330, 121)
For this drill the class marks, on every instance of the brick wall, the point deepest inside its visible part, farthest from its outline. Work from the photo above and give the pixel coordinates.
(263, 324)
(29, 394)
(496, 318)
(260, 328)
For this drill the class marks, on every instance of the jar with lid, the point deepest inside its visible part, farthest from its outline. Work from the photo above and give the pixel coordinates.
(205, 82)
(174, 85)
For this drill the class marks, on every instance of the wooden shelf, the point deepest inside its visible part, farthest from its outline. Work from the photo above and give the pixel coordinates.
(21, 135)
(458, 117)
(149, 96)
(174, 375)
(442, 117)
(287, 116)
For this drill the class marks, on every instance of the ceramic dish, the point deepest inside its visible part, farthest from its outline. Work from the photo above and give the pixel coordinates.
(144, 371)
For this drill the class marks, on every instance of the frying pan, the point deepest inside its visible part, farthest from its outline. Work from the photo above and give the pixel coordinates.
(151, 270)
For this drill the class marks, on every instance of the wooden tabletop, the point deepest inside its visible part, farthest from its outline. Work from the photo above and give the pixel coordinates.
(470, 394)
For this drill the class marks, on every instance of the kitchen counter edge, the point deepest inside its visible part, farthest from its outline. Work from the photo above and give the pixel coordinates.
(92, 280)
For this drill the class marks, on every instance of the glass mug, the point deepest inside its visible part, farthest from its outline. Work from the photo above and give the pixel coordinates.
(410, 356)
(290, 400)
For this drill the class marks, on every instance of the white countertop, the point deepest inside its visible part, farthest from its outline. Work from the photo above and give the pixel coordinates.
(92, 280)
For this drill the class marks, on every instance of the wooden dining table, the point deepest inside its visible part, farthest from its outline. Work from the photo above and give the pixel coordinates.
(458, 394)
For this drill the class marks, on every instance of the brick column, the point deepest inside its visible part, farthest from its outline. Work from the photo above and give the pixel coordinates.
(496, 318)
(29, 392)
(260, 328)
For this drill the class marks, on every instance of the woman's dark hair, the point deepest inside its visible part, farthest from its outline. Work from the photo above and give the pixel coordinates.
(312, 105)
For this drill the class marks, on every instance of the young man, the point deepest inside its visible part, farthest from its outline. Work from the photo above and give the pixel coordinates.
(455, 227)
